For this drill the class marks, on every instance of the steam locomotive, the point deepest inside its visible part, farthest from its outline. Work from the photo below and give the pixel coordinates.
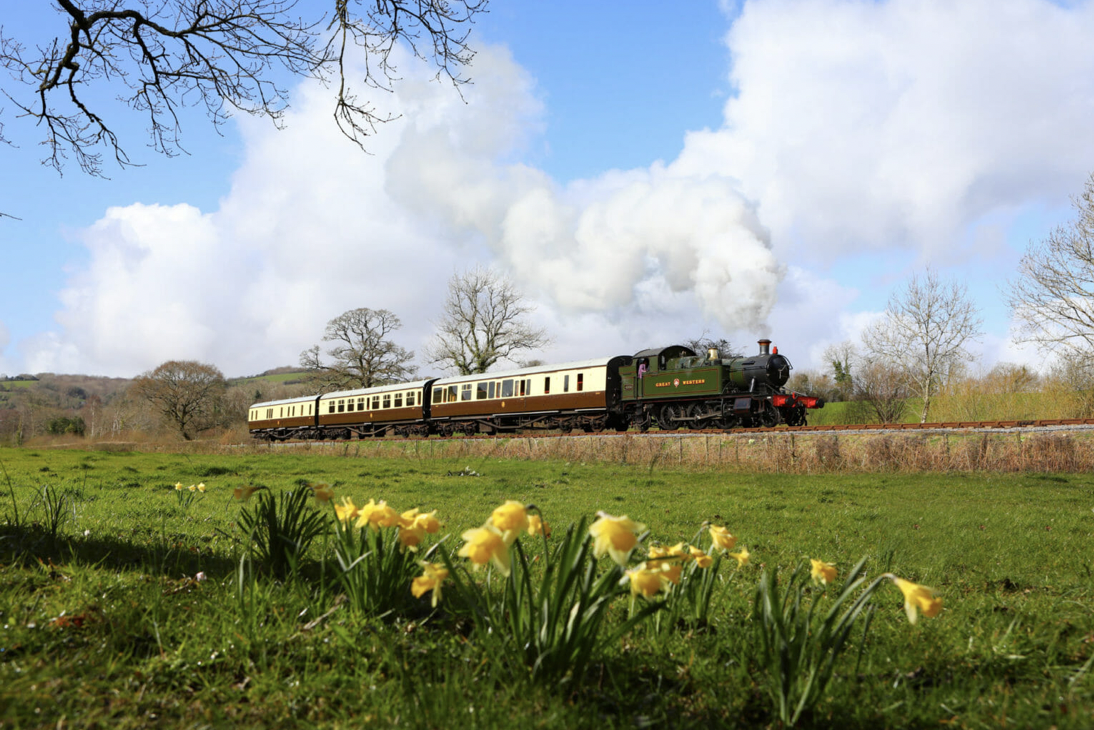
(671, 387)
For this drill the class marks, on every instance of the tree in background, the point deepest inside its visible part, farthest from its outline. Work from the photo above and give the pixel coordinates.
(703, 343)
(484, 321)
(158, 56)
(842, 357)
(186, 394)
(924, 334)
(883, 390)
(1053, 296)
(363, 354)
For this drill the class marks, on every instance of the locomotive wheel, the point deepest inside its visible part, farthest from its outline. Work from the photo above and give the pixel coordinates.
(667, 420)
(769, 417)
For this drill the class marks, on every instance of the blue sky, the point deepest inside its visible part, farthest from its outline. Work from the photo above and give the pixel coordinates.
(645, 173)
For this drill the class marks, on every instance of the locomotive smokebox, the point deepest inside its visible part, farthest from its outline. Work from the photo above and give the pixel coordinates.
(765, 347)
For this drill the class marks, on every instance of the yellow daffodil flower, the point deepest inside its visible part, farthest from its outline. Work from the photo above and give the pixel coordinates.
(345, 511)
(823, 572)
(701, 559)
(485, 544)
(741, 557)
(322, 492)
(616, 536)
(433, 576)
(511, 518)
(376, 514)
(201, 487)
(427, 522)
(244, 493)
(193, 487)
(918, 598)
(721, 537)
(536, 525)
(411, 537)
(178, 486)
(645, 581)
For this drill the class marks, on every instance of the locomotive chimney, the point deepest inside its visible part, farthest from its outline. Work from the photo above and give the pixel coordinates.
(765, 344)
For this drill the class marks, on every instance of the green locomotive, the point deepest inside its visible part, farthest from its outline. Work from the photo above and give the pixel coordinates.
(675, 387)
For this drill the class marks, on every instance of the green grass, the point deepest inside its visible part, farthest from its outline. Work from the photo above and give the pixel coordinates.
(107, 625)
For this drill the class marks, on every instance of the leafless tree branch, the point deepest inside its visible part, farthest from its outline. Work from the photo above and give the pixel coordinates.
(484, 321)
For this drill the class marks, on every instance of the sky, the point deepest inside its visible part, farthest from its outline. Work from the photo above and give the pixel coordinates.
(645, 175)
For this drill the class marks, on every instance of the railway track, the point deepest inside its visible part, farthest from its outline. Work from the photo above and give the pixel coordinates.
(1079, 423)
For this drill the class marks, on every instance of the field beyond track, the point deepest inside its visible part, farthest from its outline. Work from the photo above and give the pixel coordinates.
(125, 607)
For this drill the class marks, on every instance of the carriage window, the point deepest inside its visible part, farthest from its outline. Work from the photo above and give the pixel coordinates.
(491, 390)
(361, 403)
(565, 383)
(398, 400)
(269, 413)
(453, 391)
(581, 381)
(341, 406)
(331, 408)
(465, 392)
(480, 391)
(524, 387)
(437, 395)
(507, 389)
(546, 385)
(410, 399)
(387, 400)
(375, 402)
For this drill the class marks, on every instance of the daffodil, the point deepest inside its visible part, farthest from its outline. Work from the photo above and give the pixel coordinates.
(918, 598)
(428, 522)
(645, 581)
(721, 537)
(701, 559)
(345, 511)
(376, 514)
(741, 557)
(616, 536)
(510, 518)
(322, 492)
(243, 493)
(823, 572)
(485, 544)
(410, 537)
(433, 576)
(193, 487)
(536, 525)
(201, 487)
(178, 486)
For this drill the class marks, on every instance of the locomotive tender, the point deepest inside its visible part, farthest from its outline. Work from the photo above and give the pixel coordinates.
(672, 387)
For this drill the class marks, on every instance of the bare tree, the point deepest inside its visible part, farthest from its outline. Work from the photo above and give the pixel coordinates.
(924, 334)
(1053, 296)
(363, 354)
(485, 320)
(704, 342)
(158, 56)
(187, 394)
(884, 390)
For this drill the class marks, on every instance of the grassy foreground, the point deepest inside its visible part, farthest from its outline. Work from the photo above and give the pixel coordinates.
(125, 607)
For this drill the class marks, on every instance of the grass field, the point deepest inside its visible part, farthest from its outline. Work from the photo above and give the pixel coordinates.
(123, 606)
